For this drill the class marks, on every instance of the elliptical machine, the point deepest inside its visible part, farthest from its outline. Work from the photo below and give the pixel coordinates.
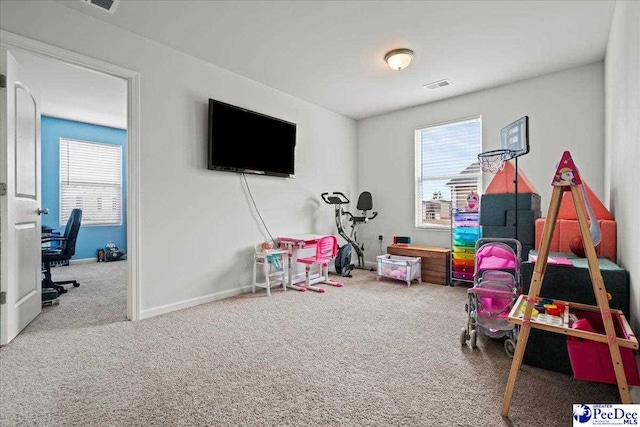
(365, 203)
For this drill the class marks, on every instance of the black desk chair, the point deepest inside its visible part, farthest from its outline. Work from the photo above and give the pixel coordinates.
(64, 252)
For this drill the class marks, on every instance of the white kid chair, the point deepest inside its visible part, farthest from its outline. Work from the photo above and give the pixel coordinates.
(273, 263)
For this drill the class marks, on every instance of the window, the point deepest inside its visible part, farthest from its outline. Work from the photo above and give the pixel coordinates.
(91, 180)
(447, 170)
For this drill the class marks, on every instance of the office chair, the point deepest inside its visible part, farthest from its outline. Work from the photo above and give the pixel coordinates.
(64, 252)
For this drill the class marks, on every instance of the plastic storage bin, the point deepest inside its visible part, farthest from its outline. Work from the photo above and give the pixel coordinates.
(466, 233)
(464, 256)
(464, 249)
(399, 267)
(464, 263)
(591, 360)
(466, 216)
(461, 275)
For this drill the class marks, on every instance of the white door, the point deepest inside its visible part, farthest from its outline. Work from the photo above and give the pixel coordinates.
(20, 256)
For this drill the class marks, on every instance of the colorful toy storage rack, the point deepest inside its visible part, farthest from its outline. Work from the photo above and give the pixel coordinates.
(399, 267)
(465, 231)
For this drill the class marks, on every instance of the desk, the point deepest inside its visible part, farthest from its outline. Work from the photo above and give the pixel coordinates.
(47, 232)
(294, 245)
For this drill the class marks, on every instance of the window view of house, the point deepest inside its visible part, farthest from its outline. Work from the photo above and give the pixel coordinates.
(447, 169)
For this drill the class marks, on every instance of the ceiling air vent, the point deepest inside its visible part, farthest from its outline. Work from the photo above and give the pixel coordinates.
(106, 5)
(437, 85)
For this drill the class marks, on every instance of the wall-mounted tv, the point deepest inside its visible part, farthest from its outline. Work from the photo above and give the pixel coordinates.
(242, 140)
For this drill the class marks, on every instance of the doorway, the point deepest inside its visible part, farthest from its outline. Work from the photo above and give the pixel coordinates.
(83, 145)
(42, 51)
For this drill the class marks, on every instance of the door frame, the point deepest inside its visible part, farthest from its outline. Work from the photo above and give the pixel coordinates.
(10, 40)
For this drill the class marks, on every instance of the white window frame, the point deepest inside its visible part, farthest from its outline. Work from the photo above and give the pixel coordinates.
(91, 217)
(444, 223)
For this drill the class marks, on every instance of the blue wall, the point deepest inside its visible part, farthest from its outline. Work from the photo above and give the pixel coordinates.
(91, 237)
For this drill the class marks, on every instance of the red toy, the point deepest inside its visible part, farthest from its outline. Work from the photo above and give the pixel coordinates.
(577, 247)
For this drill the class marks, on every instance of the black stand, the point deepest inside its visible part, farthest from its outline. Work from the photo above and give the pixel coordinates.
(515, 182)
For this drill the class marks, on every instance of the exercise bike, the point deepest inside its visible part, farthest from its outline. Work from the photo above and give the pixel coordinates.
(365, 203)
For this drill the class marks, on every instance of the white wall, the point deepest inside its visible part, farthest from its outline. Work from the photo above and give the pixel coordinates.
(622, 144)
(198, 226)
(566, 112)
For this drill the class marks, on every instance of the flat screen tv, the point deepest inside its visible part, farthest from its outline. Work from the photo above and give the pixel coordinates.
(245, 141)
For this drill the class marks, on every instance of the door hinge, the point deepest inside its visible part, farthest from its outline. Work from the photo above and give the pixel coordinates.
(3, 189)
(3, 81)
(3, 298)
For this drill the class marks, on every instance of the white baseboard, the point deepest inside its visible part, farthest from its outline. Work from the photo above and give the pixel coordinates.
(367, 265)
(82, 261)
(88, 261)
(157, 311)
(371, 264)
(163, 309)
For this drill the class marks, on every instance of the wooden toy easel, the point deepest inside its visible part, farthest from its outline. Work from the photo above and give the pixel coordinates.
(567, 178)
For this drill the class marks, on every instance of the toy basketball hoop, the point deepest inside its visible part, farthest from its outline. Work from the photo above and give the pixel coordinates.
(493, 161)
(514, 142)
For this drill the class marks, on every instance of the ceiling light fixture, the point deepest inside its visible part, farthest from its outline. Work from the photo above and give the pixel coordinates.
(399, 59)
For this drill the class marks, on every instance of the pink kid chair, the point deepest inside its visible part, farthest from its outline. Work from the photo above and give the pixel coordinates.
(326, 251)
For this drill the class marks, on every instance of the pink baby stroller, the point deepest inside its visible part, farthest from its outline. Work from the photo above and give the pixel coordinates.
(496, 286)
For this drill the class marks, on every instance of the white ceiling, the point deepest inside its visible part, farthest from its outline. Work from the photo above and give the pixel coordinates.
(70, 92)
(331, 53)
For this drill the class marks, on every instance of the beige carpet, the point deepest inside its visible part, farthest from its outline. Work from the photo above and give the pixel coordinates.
(369, 354)
(101, 297)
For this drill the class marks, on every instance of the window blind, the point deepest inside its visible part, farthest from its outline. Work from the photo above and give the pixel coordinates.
(91, 180)
(447, 169)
